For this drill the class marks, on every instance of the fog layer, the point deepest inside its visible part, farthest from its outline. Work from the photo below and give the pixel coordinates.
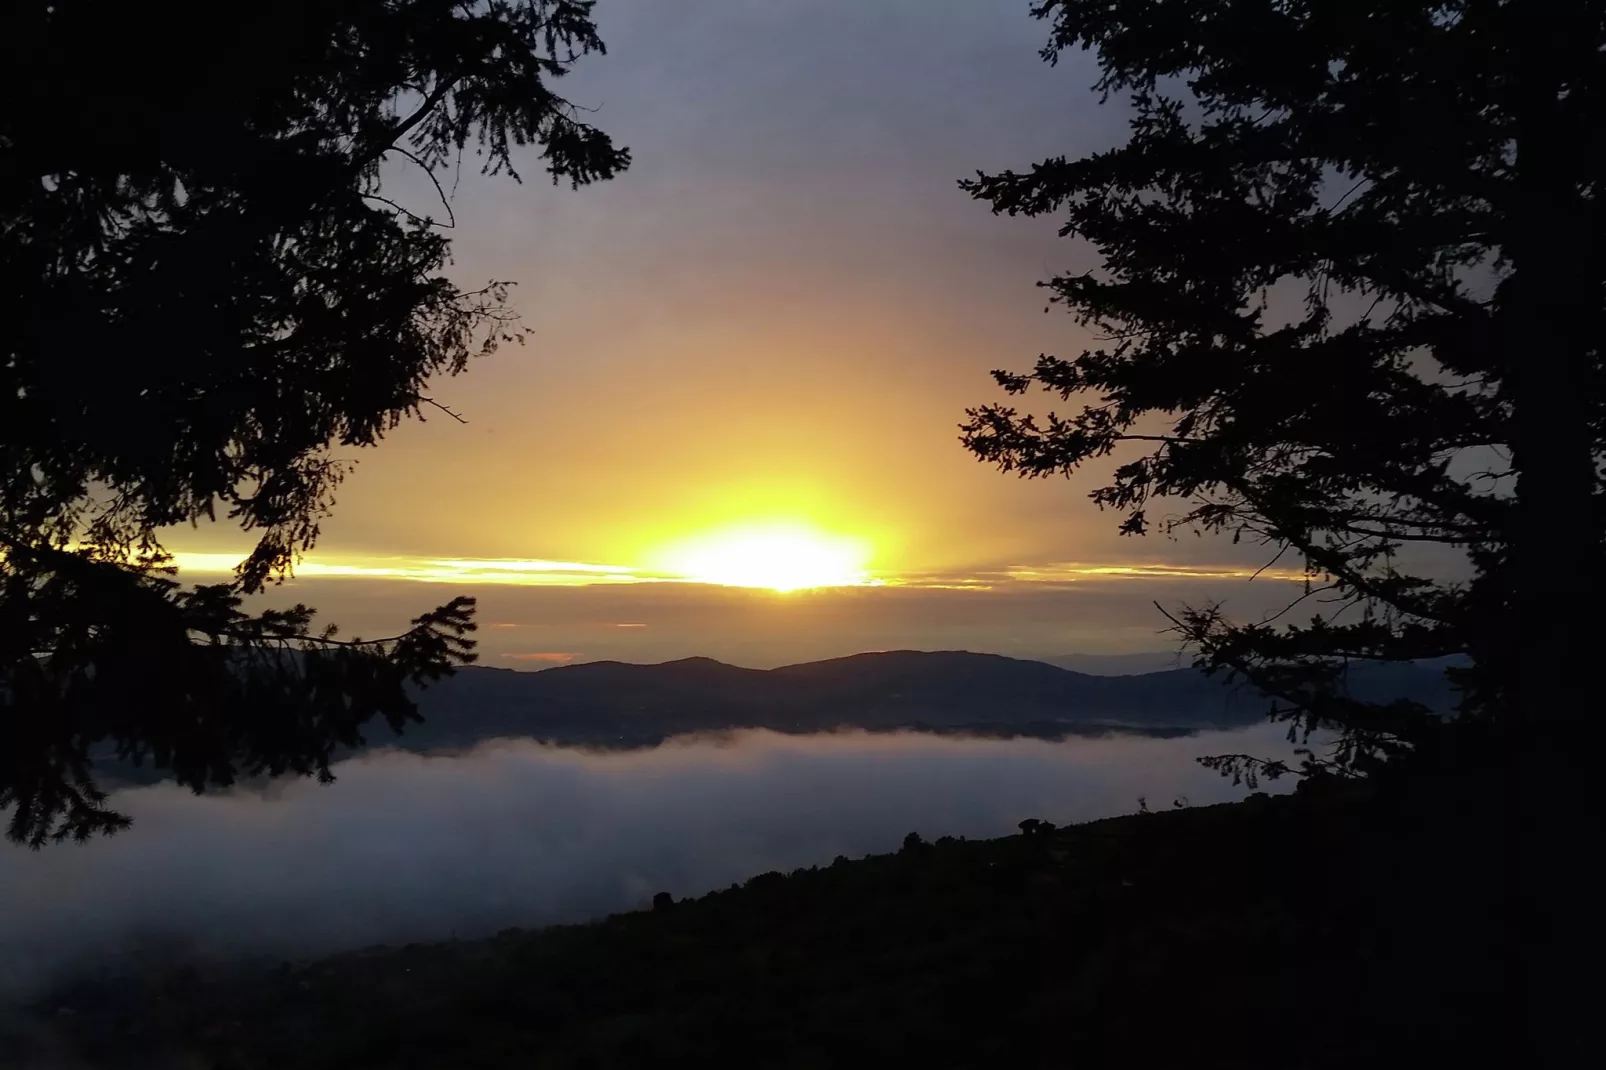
(404, 847)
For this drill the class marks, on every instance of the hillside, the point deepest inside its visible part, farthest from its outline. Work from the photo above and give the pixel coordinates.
(1229, 936)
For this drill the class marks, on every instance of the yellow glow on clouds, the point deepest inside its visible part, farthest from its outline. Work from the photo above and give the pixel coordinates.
(775, 556)
(514, 571)
(1072, 572)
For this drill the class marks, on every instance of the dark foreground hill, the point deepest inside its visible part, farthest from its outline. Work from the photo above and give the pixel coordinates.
(1324, 929)
(616, 703)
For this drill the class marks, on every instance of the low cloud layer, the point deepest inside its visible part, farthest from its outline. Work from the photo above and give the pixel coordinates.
(404, 847)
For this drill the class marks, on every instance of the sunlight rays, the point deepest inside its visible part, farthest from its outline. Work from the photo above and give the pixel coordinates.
(774, 556)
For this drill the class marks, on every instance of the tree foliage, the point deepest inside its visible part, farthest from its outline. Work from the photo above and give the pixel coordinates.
(1349, 305)
(206, 293)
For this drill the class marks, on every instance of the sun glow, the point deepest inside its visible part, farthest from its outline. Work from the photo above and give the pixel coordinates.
(777, 556)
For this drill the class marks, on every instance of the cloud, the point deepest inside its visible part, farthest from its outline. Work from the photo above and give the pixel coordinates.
(526, 572)
(554, 656)
(520, 572)
(404, 847)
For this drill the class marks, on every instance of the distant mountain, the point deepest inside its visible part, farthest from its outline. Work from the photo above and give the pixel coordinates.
(620, 704)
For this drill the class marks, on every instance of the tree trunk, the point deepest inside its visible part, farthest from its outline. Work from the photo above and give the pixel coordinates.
(1550, 305)
(1552, 322)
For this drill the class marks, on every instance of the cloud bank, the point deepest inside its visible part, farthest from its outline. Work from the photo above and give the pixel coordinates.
(404, 847)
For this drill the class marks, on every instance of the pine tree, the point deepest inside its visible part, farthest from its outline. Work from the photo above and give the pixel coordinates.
(1350, 305)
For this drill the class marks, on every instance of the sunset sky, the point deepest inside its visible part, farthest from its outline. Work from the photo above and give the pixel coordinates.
(749, 358)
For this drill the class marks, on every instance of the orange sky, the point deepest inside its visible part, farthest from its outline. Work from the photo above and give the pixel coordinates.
(774, 321)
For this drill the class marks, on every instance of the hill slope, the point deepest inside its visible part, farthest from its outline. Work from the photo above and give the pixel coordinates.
(1240, 935)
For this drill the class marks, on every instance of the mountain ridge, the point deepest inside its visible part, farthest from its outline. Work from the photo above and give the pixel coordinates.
(615, 702)
(621, 705)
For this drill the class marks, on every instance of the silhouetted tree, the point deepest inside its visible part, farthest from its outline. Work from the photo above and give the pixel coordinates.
(205, 292)
(1350, 302)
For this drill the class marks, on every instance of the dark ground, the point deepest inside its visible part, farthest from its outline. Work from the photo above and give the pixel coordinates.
(1353, 927)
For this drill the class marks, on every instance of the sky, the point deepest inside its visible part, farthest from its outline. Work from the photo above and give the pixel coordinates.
(748, 360)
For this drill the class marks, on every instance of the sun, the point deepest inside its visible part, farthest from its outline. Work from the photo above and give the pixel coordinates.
(776, 556)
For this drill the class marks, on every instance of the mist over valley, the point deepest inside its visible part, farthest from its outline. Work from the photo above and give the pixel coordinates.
(404, 847)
